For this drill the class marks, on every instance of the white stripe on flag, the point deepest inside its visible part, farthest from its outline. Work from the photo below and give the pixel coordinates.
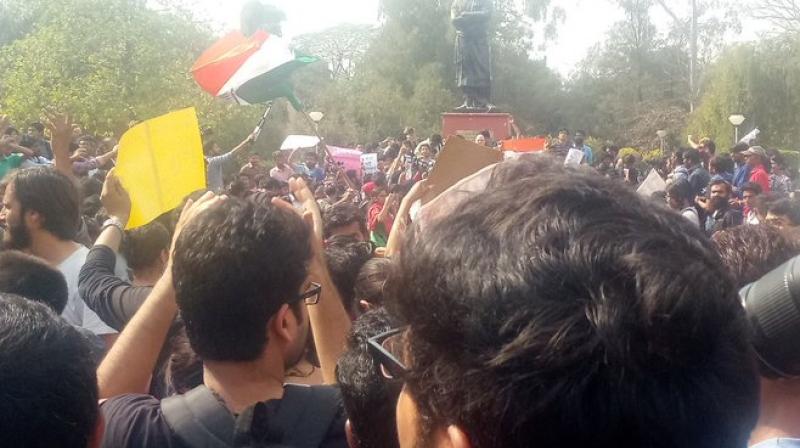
(272, 54)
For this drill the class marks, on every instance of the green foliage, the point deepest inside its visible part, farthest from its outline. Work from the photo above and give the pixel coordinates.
(760, 81)
(625, 152)
(112, 62)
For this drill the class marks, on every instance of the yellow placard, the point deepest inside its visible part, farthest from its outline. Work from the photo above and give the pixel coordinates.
(160, 162)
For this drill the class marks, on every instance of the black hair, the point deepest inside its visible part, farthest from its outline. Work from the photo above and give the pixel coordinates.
(341, 215)
(48, 381)
(711, 146)
(682, 190)
(563, 131)
(345, 256)
(36, 125)
(234, 266)
(693, 155)
(740, 147)
(144, 245)
(53, 196)
(11, 130)
(722, 163)
(368, 398)
(751, 252)
(595, 323)
(752, 187)
(31, 277)
(486, 134)
(721, 182)
(371, 280)
(208, 146)
(786, 207)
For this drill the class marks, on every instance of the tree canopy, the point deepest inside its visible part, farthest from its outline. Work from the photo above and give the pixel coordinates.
(112, 62)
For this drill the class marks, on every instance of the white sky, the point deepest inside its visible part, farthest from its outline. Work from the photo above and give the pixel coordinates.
(587, 23)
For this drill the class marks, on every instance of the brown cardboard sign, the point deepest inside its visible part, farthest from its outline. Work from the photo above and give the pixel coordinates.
(459, 159)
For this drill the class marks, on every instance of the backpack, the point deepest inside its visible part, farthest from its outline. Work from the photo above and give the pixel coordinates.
(200, 420)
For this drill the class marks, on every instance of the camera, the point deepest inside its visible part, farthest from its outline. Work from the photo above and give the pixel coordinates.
(772, 305)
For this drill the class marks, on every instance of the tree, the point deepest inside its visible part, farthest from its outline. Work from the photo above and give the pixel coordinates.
(111, 62)
(783, 14)
(761, 82)
(343, 47)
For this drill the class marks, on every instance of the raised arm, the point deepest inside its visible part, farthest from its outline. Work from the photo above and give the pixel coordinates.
(128, 365)
(244, 144)
(329, 320)
(60, 126)
(403, 219)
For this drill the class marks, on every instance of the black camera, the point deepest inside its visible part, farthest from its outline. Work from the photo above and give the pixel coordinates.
(773, 310)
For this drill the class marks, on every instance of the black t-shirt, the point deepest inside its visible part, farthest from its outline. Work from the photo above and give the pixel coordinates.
(137, 421)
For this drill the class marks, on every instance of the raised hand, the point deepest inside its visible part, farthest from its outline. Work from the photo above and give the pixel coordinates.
(115, 199)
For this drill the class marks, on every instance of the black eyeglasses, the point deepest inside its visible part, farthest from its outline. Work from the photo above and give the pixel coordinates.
(386, 349)
(311, 297)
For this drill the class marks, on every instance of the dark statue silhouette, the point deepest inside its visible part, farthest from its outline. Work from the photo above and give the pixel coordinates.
(471, 19)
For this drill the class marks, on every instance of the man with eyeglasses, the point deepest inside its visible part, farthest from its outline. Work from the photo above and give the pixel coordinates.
(249, 281)
(577, 314)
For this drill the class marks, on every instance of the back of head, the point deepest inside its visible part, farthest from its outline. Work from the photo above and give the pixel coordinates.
(575, 314)
(681, 190)
(751, 252)
(692, 155)
(53, 196)
(234, 266)
(345, 256)
(368, 399)
(788, 208)
(47, 379)
(371, 280)
(144, 245)
(31, 277)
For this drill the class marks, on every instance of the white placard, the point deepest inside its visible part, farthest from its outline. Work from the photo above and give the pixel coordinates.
(293, 142)
(369, 163)
(574, 158)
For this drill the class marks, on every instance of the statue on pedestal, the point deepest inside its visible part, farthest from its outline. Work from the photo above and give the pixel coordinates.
(471, 19)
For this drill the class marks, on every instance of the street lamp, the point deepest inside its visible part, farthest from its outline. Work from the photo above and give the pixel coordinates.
(316, 117)
(661, 135)
(736, 120)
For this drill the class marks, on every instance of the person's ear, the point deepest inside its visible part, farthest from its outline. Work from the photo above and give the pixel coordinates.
(282, 325)
(32, 219)
(96, 438)
(352, 440)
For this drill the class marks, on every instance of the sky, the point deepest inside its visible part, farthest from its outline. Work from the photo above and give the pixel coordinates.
(587, 22)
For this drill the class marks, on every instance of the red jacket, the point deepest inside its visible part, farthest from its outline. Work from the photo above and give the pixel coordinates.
(758, 175)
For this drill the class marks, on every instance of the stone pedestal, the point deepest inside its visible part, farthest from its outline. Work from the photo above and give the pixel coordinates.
(469, 125)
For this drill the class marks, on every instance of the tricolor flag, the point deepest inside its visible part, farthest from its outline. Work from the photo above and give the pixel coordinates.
(249, 70)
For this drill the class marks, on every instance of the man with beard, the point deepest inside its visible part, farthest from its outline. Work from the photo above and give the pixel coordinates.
(720, 215)
(42, 216)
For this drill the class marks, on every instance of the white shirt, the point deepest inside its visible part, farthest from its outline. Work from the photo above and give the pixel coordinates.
(690, 213)
(76, 312)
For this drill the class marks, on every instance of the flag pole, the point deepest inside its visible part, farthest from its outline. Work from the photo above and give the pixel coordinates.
(262, 122)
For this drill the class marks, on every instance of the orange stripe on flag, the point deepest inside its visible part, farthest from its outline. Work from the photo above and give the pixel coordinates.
(217, 64)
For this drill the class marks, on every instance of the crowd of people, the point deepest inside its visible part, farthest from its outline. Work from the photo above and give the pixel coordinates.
(300, 304)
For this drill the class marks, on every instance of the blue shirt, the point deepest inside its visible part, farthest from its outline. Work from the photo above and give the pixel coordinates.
(741, 175)
(588, 155)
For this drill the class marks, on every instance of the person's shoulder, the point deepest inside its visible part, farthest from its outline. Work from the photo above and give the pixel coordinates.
(135, 420)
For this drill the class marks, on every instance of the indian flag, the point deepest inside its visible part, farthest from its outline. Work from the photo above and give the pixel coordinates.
(248, 70)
